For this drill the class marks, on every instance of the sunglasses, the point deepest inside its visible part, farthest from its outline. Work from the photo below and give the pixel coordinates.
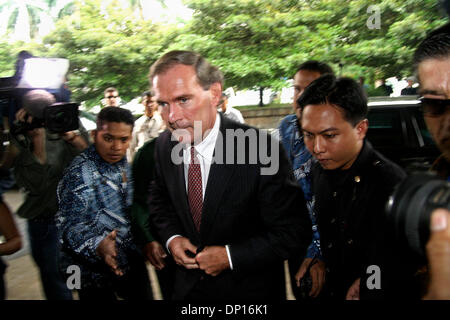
(434, 107)
(110, 97)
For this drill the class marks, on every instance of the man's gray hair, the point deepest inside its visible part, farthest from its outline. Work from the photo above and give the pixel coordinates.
(207, 74)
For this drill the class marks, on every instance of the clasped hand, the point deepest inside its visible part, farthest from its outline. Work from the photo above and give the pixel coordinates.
(212, 259)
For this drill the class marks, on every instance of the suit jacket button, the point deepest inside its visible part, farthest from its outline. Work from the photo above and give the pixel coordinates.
(330, 246)
(350, 241)
(334, 194)
(333, 220)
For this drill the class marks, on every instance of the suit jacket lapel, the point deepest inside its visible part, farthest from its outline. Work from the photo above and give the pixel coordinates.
(219, 177)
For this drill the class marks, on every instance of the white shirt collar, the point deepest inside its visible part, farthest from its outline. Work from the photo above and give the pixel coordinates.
(206, 147)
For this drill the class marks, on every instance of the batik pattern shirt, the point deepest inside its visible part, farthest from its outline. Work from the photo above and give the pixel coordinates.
(94, 199)
(301, 160)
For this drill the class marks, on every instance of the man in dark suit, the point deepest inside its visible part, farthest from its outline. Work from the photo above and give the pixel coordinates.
(223, 201)
(351, 183)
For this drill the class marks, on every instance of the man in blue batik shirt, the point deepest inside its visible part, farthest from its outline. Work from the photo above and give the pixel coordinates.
(301, 160)
(93, 221)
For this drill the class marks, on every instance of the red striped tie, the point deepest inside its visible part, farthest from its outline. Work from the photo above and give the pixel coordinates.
(195, 192)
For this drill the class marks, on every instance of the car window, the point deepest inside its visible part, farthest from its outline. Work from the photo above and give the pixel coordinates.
(385, 128)
(427, 139)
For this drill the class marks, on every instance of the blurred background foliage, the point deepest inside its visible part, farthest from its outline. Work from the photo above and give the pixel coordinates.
(256, 43)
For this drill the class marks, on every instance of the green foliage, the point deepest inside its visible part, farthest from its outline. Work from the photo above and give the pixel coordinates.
(259, 42)
(107, 49)
(8, 54)
(256, 43)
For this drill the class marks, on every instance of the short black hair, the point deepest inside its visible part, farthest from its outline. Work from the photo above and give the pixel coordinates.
(345, 93)
(146, 94)
(316, 66)
(435, 46)
(114, 114)
(110, 89)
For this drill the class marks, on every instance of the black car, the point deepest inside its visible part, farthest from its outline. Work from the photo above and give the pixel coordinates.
(398, 131)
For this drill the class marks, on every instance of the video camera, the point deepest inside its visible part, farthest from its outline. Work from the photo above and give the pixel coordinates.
(409, 210)
(34, 79)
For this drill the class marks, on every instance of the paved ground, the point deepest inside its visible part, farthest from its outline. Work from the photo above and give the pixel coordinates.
(22, 275)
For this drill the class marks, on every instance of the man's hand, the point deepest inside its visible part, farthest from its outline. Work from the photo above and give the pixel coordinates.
(22, 116)
(317, 272)
(353, 292)
(213, 260)
(178, 247)
(75, 139)
(438, 253)
(155, 254)
(107, 250)
(36, 135)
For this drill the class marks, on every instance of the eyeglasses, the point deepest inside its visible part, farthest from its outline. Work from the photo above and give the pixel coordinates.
(110, 97)
(434, 107)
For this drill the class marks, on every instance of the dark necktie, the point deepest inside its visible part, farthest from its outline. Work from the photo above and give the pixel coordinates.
(195, 193)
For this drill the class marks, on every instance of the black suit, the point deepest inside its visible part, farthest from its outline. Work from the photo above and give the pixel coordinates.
(350, 214)
(263, 218)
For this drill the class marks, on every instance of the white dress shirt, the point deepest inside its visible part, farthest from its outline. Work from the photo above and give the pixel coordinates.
(204, 151)
(145, 129)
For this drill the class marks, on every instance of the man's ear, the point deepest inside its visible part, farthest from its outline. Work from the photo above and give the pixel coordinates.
(216, 93)
(362, 128)
(93, 134)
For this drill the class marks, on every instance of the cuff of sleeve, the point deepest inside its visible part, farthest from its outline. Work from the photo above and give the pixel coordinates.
(170, 239)
(311, 252)
(227, 247)
(92, 248)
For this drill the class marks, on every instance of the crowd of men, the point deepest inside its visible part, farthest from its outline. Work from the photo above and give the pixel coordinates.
(217, 206)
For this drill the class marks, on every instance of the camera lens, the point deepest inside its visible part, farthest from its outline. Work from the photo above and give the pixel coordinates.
(410, 207)
(61, 117)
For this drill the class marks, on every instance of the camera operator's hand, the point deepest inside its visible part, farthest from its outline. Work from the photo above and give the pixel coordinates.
(22, 116)
(36, 135)
(75, 139)
(438, 253)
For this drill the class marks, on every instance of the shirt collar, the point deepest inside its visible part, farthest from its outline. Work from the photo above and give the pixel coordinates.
(102, 164)
(206, 147)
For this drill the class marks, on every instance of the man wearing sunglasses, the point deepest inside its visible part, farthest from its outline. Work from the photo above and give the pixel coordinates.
(432, 62)
(112, 98)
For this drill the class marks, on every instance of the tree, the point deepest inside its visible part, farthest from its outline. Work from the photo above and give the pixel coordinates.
(256, 43)
(56, 9)
(260, 42)
(107, 47)
(9, 52)
(30, 18)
